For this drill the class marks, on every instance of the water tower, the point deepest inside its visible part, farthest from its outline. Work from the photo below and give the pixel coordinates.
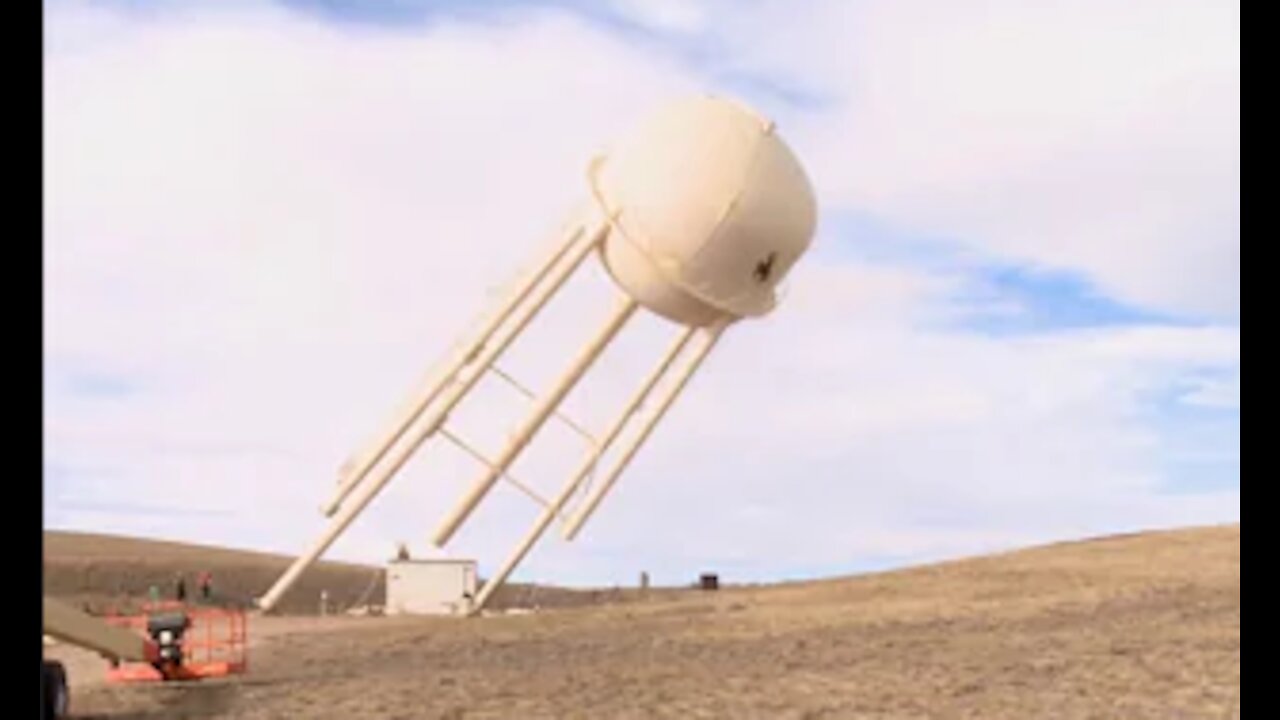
(697, 216)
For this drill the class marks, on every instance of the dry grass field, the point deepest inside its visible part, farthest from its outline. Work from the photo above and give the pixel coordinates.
(1140, 626)
(105, 571)
(102, 571)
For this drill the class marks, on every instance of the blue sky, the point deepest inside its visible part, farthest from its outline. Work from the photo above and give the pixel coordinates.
(1019, 321)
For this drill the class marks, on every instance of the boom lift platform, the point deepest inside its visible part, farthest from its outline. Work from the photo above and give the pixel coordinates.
(167, 642)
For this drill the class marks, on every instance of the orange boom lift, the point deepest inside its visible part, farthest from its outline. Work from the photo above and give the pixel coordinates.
(190, 643)
(167, 642)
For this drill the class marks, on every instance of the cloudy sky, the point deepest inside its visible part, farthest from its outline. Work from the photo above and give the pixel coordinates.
(1019, 320)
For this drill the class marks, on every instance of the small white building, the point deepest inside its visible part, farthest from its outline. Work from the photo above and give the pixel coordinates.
(430, 587)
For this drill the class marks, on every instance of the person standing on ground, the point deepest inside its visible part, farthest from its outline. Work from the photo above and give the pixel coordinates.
(181, 590)
(206, 586)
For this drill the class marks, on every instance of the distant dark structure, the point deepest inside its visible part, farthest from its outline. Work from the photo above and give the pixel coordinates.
(709, 581)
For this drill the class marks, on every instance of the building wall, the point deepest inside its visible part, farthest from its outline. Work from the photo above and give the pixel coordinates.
(418, 587)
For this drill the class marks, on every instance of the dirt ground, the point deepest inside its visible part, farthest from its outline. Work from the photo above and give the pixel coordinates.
(1144, 626)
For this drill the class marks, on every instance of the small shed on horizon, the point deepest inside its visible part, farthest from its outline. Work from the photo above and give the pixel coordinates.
(442, 586)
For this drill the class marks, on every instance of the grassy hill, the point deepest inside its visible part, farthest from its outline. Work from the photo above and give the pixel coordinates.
(1144, 626)
(102, 571)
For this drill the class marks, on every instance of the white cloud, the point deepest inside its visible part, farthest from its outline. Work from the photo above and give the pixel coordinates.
(680, 16)
(1097, 137)
(1215, 392)
(273, 226)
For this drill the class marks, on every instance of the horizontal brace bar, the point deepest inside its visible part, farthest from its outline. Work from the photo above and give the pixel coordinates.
(484, 460)
(573, 425)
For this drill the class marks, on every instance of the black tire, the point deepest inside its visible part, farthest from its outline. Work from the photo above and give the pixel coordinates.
(53, 686)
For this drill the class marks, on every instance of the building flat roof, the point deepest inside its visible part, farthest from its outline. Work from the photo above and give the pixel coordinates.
(430, 561)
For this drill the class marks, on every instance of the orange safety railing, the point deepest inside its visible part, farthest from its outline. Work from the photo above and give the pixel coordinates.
(214, 644)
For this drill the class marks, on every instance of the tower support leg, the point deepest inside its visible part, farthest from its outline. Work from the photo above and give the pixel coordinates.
(462, 355)
(708, 341)
(557, 504)
(543, 408)
(580, 246)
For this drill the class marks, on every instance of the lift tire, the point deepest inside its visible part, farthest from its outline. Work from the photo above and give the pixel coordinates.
(53, 687)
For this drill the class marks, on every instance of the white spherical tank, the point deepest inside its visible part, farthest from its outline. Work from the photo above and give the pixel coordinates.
(709, 209)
